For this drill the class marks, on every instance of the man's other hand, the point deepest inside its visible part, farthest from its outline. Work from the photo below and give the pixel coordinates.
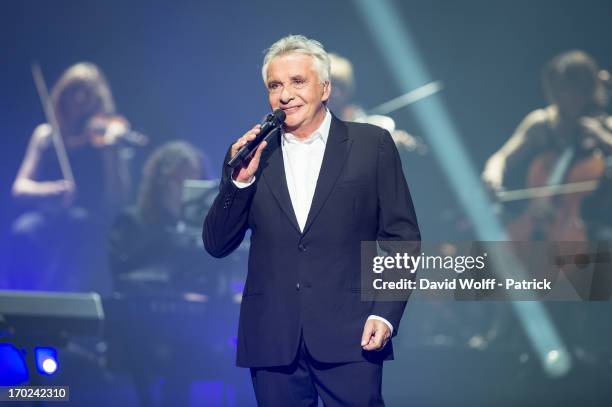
(375, 336)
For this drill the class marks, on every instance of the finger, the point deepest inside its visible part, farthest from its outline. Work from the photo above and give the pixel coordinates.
(372, 345)
(379, 338)
(251, 135)
(254, 130)
(376, 342)
(368, 331)
(261, 147)
(251, 163)
(245, 138)
(238, 145)
(254, 163)
(384, 342)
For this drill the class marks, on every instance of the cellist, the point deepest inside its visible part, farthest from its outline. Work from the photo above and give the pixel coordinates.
(563, 142)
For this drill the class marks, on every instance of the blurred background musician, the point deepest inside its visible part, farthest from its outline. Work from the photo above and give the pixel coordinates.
(149, 256)
(342, 104)
(165, 287)
(564, 143)
(58, 243)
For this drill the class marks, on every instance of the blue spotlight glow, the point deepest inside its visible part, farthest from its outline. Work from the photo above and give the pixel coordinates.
(400, 51)
(46, 360)
(13, 369)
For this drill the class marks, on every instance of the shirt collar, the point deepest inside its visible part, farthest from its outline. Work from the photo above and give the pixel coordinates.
(322, 132)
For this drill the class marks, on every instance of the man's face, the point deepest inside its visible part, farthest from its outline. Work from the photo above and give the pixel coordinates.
(294, 86)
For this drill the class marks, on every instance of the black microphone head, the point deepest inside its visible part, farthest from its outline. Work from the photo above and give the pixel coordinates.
(279, 116)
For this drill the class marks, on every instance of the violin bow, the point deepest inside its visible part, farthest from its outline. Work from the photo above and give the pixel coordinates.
(408, 98)
(547, 191)
(58, 141)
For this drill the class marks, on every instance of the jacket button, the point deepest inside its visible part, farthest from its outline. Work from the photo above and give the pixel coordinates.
(302, 247)
(297, 286)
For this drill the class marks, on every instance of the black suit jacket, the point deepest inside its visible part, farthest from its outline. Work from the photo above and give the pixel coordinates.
(309, 283)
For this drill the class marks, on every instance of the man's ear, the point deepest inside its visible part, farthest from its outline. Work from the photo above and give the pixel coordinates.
(326, 91)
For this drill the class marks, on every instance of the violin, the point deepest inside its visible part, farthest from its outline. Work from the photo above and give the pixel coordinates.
(103, 130)
(98, 130)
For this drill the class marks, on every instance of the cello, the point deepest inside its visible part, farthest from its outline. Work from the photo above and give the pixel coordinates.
(557, 184)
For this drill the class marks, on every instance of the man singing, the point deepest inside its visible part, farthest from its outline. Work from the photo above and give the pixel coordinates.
(310, 198)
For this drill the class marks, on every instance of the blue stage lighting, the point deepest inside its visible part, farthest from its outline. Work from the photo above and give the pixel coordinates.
(13, 369)
(46, 360)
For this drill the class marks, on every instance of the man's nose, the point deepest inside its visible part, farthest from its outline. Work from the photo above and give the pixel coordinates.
(286, 95)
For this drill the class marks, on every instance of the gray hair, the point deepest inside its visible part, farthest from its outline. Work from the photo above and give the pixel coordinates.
(299, 44)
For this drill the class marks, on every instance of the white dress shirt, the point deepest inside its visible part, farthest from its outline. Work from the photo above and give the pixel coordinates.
(302, 159)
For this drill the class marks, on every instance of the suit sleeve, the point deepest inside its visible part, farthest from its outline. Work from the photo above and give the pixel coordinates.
(397, 221)
(227, 220)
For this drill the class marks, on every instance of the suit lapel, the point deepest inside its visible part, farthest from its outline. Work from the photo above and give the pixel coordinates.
(273, 172)
(336, 151)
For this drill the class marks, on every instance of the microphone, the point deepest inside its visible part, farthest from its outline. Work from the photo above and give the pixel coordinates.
(269, 127)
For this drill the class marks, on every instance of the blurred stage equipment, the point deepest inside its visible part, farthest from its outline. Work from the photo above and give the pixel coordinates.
(197, 197)
(32, 319)
(148, 338)
(179, 339)
(170, 296)
(55, 315)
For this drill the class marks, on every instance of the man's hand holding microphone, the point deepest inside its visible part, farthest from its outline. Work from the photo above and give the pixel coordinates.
(246, 151)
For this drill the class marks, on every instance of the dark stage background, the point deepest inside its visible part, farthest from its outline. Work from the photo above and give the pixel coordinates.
(192, 70)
